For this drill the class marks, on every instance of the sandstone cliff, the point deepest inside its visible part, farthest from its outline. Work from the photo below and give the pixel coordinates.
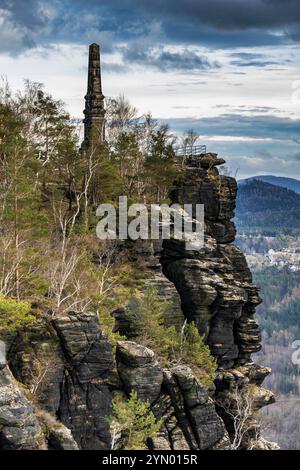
(67, 370)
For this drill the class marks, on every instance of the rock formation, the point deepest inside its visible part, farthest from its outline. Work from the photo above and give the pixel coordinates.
(217, 293)
(189, 417)
(19, 427)
(70, 368)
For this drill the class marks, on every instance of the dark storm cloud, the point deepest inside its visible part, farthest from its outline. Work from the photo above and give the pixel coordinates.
(229, 14)
(248, 59)
(254, 63)
(257, 126)
(212, 37)
(23, 24)
(214, 23)
(24, 13)
(165, 60)
(232, 14)
(217, 22)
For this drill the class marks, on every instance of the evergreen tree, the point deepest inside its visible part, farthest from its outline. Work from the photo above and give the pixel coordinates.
(160, 169)
(20, 197)
(135, 421)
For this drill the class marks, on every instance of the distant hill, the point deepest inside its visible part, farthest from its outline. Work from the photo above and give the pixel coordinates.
(289, 183)
(267, 208)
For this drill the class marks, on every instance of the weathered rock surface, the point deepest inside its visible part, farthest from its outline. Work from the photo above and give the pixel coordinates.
(59, 437)
(207, 426)
(138, 370)
(190, 420)
(215, 286)
(88, 374)
(69, 364)
(147, 255)
(76, 365)
(19, 427)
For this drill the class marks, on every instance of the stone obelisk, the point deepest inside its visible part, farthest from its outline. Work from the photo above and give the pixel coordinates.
(94, 121)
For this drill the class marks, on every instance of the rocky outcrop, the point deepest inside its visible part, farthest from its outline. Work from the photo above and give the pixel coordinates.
(71, 370)
(72, 376)
(138, 370)
(216, 289)
(19, 427)
(190, 420)
(146, 253)
(59, 437)
(88, 373)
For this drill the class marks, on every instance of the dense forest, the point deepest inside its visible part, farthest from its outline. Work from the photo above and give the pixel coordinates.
(288, 183)
(267, 209)
(278, 316)
(51, 187)
(267, 219)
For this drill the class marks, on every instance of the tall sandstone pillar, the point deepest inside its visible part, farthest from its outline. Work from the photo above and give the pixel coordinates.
(94, 121)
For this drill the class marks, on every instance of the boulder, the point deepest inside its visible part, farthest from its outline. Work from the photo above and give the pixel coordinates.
(138, 370)
(19, 427)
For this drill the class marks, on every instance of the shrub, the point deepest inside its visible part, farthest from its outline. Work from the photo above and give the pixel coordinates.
(197, 354)
(14, 314)
(135, 421)
(151, 326)
(169, 345)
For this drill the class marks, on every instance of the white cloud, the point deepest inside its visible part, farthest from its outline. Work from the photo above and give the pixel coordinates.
(230, 138)
(63, 70)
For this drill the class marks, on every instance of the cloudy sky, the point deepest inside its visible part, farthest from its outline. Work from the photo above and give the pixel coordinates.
(230, 69)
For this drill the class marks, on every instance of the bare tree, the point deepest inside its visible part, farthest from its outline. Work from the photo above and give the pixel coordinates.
(238, 408)
(5, 91)
(64, 284)
(11, 258)
(44, 365)
(106, 281)
(189, 138)
(120, 117)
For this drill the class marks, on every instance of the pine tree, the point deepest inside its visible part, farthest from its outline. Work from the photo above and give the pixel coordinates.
(160, 169)
(197, 354)
(135, 421)
(151, 328)
(20, 195)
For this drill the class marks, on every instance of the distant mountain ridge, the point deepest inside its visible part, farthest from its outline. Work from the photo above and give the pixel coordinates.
(267, 208)
(289, 183)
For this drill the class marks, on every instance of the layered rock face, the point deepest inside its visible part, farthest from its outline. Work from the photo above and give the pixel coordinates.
(188, 412)
(217, 293)
(70, 370)
(69, 367)
(19, 427)
(77, 390)
(78, 375)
